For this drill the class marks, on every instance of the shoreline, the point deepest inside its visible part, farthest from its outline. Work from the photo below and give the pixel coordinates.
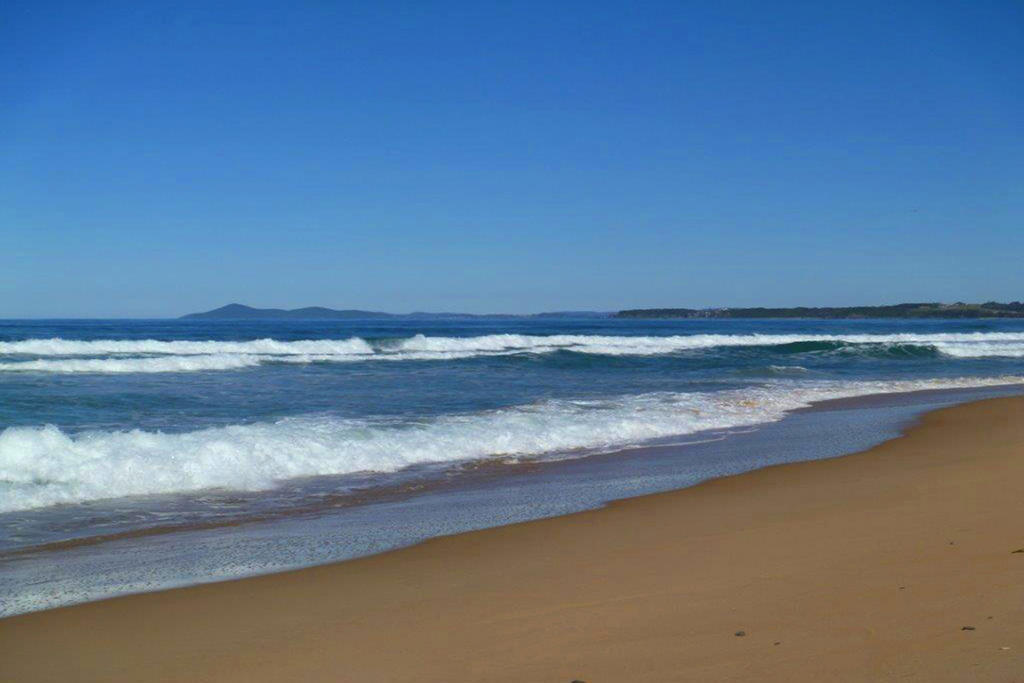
(82, 570)
(811, 555)
(469, 473)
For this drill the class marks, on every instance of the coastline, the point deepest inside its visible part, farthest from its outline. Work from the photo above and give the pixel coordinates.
(73, 572)
(475, 472)
(863, 567)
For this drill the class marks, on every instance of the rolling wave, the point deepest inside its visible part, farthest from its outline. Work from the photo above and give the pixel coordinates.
(878, 349)
(150, 355)
(43, 466)
(104, 347)
(195, 363)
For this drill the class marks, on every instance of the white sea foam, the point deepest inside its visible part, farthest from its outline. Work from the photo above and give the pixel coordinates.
(195, 363)
(149, 355)
(219, 361)
(982, 349)
(960, 344)
(41, 466)
(104, 347)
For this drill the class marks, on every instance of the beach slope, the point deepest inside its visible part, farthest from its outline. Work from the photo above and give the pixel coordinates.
(893, 564)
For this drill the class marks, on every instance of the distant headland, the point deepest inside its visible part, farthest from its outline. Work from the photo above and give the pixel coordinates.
(990, 309)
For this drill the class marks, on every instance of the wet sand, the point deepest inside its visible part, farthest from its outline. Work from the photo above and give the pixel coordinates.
(861, 568)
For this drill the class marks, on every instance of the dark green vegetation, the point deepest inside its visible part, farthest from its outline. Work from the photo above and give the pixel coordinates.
(989, 309)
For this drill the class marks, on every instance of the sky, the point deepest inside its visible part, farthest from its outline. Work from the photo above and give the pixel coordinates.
(163, 158)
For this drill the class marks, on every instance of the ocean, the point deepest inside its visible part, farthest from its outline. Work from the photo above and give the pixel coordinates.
(143, 454)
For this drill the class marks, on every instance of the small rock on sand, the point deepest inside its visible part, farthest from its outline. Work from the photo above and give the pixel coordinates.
(966, 628)
(741, 633)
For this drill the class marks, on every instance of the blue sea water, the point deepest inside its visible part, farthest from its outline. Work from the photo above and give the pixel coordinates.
(122, 429)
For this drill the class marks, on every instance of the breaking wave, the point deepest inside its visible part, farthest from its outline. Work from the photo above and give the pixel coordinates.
(42, 466)
(150, 355)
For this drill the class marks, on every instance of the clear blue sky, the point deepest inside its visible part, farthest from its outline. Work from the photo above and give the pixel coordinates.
(160, 158)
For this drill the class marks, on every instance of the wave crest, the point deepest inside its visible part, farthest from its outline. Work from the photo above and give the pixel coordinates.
(150, 355)
(41, 466)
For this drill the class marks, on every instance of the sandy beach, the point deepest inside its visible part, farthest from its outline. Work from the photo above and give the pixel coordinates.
(894, 564)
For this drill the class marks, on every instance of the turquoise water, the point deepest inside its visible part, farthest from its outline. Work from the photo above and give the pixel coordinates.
(153, 429)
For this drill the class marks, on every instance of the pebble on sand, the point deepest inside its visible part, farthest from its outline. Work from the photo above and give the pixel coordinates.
(741, 633)
(966, 628)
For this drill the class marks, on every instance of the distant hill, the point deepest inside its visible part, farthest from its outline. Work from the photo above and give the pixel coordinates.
(242, 312)
(990, 309)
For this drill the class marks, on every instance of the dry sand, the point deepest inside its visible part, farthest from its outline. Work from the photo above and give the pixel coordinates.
(861, 568)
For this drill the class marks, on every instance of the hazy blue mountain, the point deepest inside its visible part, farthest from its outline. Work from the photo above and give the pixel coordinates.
(240, 312)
